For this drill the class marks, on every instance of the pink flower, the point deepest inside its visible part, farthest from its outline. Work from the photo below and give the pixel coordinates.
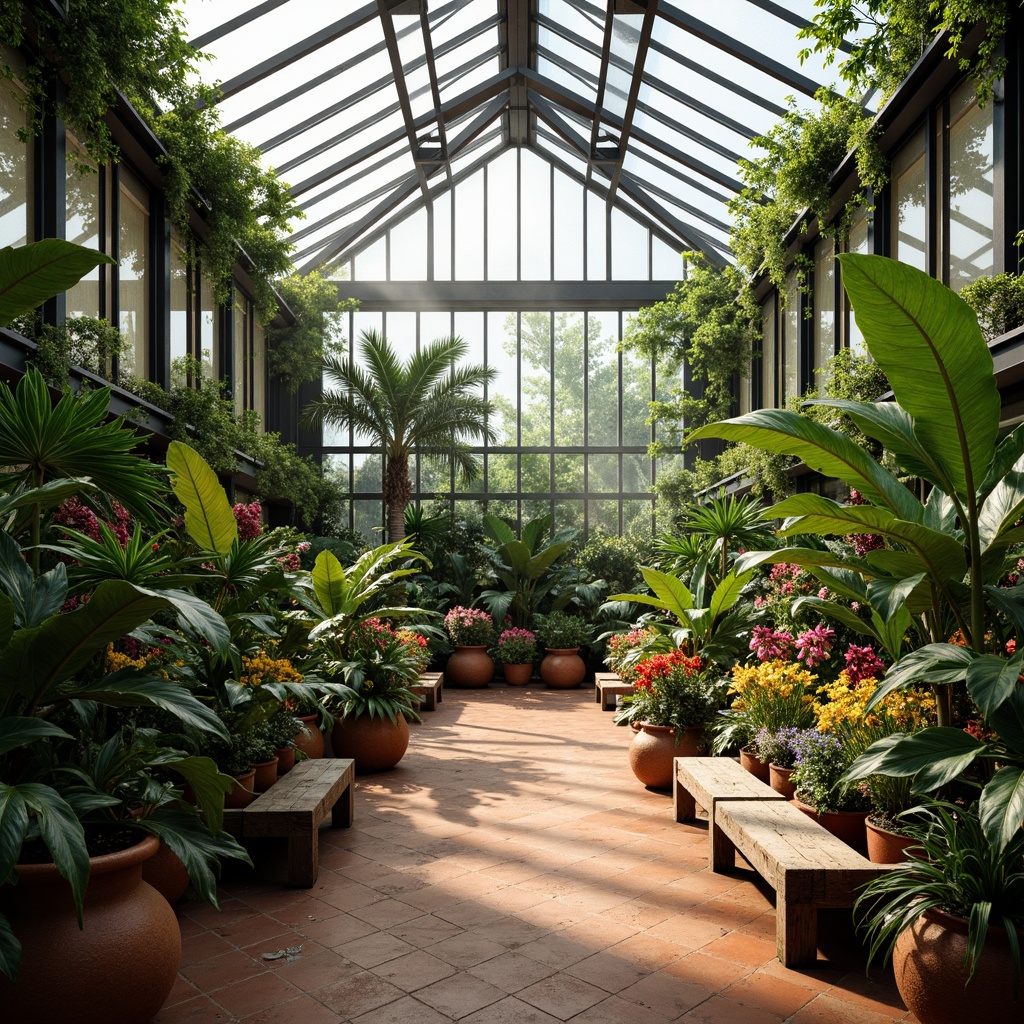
(814, 645)
(1011, 646)
(769, 644)
(823, 593)
(863, 663)
(248, 519)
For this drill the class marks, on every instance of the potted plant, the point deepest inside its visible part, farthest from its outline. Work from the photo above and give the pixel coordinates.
(769, 695)
(563, 635)
(674, 698)
(516, 650)
(375, 705)
(471, 631)
(777, 750)
(952, 918)
(822, 789)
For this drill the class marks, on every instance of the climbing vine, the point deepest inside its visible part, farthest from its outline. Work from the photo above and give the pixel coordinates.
(709, 323)
(890, 35)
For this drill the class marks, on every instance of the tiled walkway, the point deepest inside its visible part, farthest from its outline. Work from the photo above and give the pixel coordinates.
(512, 871)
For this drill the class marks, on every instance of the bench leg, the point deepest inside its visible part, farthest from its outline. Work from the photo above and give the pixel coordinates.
(685, 805)
(796, 933)
(430, 700)
(303, 859)
(722, 853)
(344, 808)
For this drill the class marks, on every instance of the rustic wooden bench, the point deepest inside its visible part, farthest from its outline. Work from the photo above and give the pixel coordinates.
(294, 807)
(607, 686)
(807, 867)
(430, 687)
(707, 781)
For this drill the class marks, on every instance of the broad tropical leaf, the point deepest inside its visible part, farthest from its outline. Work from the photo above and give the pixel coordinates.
(209, 784)
(31, 274)
(822, 449)
(208, 516)
(933, 663)
(931, 757)
(1001, 806)
(16, 732)
(728, 592)
(329, 583)
(991, 680)
(927, 341)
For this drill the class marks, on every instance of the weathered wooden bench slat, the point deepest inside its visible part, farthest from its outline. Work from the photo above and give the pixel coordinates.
(708, 780)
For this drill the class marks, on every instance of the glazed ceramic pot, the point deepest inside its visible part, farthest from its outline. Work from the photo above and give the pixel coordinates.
(885, 847)
(119, 967)
(654, 749)
(928, 964)
(518, 675)
(846, 825)
(779, 780)
(375, 744)
(265, 775)
(309, 739)
(469, 668)
(562, 668)
(285, 759)
(243, 793)
(753, 764)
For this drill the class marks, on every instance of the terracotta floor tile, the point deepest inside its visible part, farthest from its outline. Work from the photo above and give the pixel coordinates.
(470, 914)
(336, 930)
(215, 972)
(252, 994)
(606, 971)
(312, 971)
(200, 1010)
(701, 969)
(302, 1010)
(403, 1011)
(510, 1011)
(460, 995)
(769, 993)
(741, 949)
(719, 1010)
(466, 950)
(664, 994)
(426, 930)
(357, 994)
(827, 1009)
(558, 951)
(202, 946)
(511, 971)
(375, 949)
(414, 970)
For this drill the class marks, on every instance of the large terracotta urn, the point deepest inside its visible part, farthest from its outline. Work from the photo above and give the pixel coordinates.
(375, 744)
(309, 739)
(654, 749)
(469, 668)
(562, 668)
(928, 964)
(166, 873)
(119, 967)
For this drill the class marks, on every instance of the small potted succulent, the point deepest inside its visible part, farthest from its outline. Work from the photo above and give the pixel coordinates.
(472, 632)
(563, 635)
(516, 650)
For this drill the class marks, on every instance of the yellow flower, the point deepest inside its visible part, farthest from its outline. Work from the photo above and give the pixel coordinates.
(841, 705)
(261, 667)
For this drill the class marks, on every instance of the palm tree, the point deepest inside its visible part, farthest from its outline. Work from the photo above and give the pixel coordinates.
(428, 405)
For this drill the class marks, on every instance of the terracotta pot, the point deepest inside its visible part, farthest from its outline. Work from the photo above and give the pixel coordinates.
(165, 872)
(928, 964)
(266, 775)
(562, 669)
(885, 847)
(285, 759)
(119, 967)
(309, 739)
(753, 764)
(778, 779)
(375, 744)
(846, 825)
(654, 749)
(242, 794)
(518, 675)
(469, 668)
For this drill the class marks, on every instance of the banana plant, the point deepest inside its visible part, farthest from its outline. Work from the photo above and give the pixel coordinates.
(526, 566)
(943, 556)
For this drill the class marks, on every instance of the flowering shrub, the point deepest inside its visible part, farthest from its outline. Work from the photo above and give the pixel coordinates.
(373, 635)
(517, 646)
(72, 513)
(626, 649)
(674, 690)
(261, 667)
(250, 525)
(469, 627)
(773, 694)
(863, 542)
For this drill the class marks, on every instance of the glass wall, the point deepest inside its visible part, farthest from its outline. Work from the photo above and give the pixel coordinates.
(15, 165)
(134, 278)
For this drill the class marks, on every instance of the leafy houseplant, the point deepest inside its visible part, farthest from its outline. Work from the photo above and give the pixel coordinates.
(469, 627)
(563, 632)
(954, 870)
(673, 690)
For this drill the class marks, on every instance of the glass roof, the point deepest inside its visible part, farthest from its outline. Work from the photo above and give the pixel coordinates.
(377, 113)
